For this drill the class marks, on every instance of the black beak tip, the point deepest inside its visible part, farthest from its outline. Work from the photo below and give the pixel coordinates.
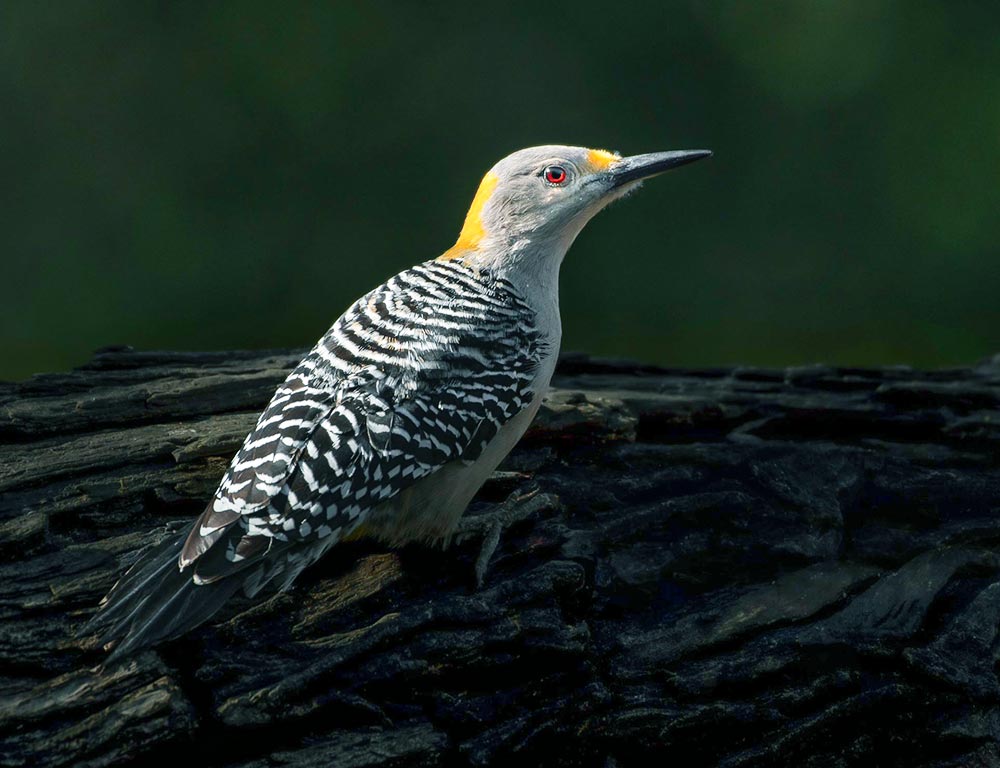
(640, 167)
(692, 155)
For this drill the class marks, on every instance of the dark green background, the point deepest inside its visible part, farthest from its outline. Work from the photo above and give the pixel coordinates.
(225, 175)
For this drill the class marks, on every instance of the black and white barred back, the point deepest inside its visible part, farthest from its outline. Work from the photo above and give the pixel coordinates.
(420, 372)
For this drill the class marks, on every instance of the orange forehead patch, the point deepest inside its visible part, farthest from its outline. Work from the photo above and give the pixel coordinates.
(474, 230)
(600, 159)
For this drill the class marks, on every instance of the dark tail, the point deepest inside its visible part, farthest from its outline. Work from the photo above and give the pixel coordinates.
(156, 601)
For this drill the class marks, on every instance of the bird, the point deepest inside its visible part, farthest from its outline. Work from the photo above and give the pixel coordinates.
(389, 426)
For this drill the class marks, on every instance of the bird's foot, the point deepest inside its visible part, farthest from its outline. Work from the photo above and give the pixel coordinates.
(519, 506)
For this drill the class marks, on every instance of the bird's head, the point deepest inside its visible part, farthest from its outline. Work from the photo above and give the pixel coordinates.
(541, 197)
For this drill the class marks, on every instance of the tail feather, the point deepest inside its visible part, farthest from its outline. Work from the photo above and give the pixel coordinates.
(134, 586)
(156, 601)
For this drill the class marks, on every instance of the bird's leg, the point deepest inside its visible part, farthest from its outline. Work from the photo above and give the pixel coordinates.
(490, 525)
(499, 519)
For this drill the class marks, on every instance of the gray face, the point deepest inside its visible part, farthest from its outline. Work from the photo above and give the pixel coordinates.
(550, 192)
(546, 191)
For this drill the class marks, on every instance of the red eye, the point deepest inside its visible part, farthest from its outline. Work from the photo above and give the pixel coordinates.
(554, 174)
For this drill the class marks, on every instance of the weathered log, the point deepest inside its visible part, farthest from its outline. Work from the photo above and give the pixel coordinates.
(728, 567)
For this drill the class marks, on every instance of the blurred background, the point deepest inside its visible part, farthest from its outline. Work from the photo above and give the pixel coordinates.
(233, 175)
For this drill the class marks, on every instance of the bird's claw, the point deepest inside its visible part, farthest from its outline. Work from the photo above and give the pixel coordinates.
(518, 506)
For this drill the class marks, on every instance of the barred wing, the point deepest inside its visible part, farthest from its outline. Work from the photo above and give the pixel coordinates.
(420, 373)
(264, 463)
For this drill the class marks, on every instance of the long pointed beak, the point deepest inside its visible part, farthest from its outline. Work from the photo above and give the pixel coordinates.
(639, 167)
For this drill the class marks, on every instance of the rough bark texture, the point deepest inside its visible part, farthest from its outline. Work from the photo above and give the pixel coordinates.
(728, 567)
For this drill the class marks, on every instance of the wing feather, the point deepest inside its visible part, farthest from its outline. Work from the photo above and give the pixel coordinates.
(428, 385)
(420, 373)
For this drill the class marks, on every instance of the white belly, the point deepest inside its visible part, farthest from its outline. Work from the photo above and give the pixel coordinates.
(430, 509)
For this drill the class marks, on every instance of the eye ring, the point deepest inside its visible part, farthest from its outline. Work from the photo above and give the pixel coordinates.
(555, 175)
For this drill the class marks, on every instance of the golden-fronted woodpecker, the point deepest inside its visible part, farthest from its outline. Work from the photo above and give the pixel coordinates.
(394, 420)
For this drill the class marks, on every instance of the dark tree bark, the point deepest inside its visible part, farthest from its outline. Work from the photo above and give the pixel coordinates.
(724, 567)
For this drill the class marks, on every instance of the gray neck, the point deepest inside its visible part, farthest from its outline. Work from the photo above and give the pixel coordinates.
(534, 258)
(532, 266)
